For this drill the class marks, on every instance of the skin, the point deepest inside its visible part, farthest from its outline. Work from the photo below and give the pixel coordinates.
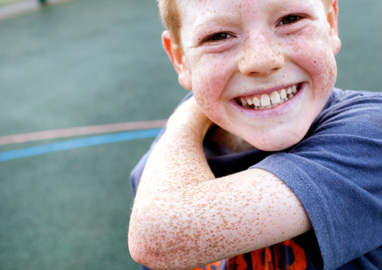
(183, 217)
(260, 55)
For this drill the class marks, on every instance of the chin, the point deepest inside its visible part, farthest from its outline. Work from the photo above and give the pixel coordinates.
(274, 147)
(277, 142)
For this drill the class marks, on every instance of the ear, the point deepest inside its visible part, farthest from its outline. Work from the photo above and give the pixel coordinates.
(178, 60)
(332, 17)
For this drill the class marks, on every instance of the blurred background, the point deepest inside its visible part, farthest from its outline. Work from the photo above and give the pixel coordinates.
(65, 199)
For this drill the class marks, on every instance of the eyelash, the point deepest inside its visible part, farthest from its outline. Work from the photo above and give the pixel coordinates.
(294, 16)
(224, 35)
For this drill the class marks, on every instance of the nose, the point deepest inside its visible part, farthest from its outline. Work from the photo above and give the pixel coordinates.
(261, 57)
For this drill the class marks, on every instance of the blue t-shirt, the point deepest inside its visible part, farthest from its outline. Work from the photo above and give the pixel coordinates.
(336, 172)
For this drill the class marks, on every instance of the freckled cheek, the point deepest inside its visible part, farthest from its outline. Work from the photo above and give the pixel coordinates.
(208, 99)
(317, 59)
(208, 83)
(324, 73)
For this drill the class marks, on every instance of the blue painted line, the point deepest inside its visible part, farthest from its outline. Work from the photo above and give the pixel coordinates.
(67, 145)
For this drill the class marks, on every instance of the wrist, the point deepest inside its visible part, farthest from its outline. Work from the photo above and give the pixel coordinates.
(188, 120)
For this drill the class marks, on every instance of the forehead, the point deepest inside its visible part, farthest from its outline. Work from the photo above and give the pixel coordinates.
(193, 10)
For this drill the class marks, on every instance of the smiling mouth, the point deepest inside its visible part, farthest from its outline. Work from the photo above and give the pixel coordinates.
(265, 101)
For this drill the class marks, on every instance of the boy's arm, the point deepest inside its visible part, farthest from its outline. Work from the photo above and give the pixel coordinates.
(183, 217)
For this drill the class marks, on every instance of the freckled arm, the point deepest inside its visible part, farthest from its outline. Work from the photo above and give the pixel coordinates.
(183, 217)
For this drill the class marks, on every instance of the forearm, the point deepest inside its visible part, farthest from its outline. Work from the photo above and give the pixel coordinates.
(173, 172)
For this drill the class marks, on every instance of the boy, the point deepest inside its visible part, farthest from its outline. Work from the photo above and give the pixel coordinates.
(266, 166)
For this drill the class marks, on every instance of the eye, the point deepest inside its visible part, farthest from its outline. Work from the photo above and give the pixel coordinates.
(218, 37)
(290, 19)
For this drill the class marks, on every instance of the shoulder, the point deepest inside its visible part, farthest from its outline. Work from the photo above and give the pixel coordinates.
(350, 112)
(350, 100)
(339, 95)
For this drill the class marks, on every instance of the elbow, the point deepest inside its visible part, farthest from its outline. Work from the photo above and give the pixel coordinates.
(146, 248)
(154, 239)
(145, 254)
(154, 252)
(140, 255)
(140, 251)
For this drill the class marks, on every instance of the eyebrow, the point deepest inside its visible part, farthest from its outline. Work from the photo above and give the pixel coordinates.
(216, 20)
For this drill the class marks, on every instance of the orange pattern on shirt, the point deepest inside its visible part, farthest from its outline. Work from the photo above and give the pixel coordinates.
(269, 258)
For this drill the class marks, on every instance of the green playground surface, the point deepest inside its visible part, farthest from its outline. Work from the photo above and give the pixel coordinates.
(3, 2)
(65, 201)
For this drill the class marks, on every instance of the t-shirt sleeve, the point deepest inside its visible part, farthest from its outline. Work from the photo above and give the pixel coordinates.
(336, 172)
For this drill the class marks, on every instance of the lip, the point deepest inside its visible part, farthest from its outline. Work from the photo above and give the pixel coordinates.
(268, 90)
(272, 112)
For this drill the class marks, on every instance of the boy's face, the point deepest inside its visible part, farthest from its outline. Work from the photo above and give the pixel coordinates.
(244, 52)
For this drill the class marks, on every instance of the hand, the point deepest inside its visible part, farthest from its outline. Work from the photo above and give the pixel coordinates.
(188, 117)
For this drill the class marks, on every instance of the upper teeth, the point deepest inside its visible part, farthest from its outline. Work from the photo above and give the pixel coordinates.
(265, 101)
(256, 101)
(275, 97)
(272, 100)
